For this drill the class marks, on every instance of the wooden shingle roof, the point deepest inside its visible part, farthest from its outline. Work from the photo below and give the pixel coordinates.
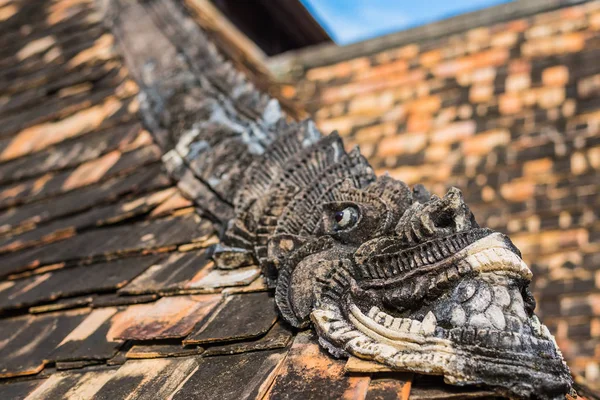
(107, 289)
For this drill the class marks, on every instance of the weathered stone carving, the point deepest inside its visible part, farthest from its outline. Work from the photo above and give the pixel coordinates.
(382, 272)
(389, 274)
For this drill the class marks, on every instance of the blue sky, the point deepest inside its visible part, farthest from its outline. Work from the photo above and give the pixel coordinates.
(349, 21)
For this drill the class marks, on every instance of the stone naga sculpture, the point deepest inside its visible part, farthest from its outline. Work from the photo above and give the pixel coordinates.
(382, 272)
(390, 274)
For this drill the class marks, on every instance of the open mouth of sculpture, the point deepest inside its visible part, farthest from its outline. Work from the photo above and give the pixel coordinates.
(465, 315)
(473, 297)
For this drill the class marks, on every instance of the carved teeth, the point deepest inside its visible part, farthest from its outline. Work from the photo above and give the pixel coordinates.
(415, 326)
(429, 324)
(373, 312)
(402, 325)
(493, 258)
(405, 324)
(388, 320)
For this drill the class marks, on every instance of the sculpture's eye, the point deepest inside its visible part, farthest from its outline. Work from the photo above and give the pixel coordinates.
(345, 218)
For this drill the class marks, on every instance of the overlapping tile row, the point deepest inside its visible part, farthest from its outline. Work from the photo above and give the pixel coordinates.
(103, 258)
(107, 289)
(509, 113)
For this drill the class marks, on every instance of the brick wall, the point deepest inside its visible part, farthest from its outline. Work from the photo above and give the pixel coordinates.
(509, 113)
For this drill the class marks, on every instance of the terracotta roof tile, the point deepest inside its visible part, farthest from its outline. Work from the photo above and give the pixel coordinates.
(393, 387)
(73, 384)
(240, 317)
(19, 389)
(157, 350)
(84, 198)
(89, 340)
(105, 265)
(101, 243)
(29, 340)
(148, 379)
(69, 282)
(171, 274)
(169, 317)
(309, 372)
(240, 376)
(278, 337)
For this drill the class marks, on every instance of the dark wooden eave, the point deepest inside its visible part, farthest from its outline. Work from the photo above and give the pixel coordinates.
(275, 26)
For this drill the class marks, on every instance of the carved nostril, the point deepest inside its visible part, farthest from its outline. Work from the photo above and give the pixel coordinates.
(444, 220)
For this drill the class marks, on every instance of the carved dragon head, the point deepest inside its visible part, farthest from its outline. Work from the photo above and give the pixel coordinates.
(392, 275)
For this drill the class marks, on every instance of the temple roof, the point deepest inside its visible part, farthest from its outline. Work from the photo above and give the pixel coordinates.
(107, 289)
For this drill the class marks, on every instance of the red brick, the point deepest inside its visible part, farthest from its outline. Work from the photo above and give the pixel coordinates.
(488, 194)
(288, 91)
(436, 152)
(339, 93)
(484, 75)
(481, 93)
(518, 82)
(372, 103)
(342, 124)
(594, 157)
(430, 58)
(419, 122)
(374, 133)
(539, 31)
(537, 167)
(454, 132)
(588, 86)
(410, 175)
(504, 39)
(402, 144)
(517, 191)
(339, 70)
(510, 104)
(574, 13)
(519, 25)
(595, 21)
(408, 52)
(555, 76)
(444, 117)
(481, 34)
(578, 163)
(484, 142)
(550, 96)
(383, 70)
(519, 66)
(569, 108)
(557, 44)
(428, 104)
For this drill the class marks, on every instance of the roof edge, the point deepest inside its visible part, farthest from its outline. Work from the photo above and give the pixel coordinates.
(327, 54)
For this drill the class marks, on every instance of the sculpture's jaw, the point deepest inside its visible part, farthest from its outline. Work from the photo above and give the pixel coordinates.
(468, 316)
